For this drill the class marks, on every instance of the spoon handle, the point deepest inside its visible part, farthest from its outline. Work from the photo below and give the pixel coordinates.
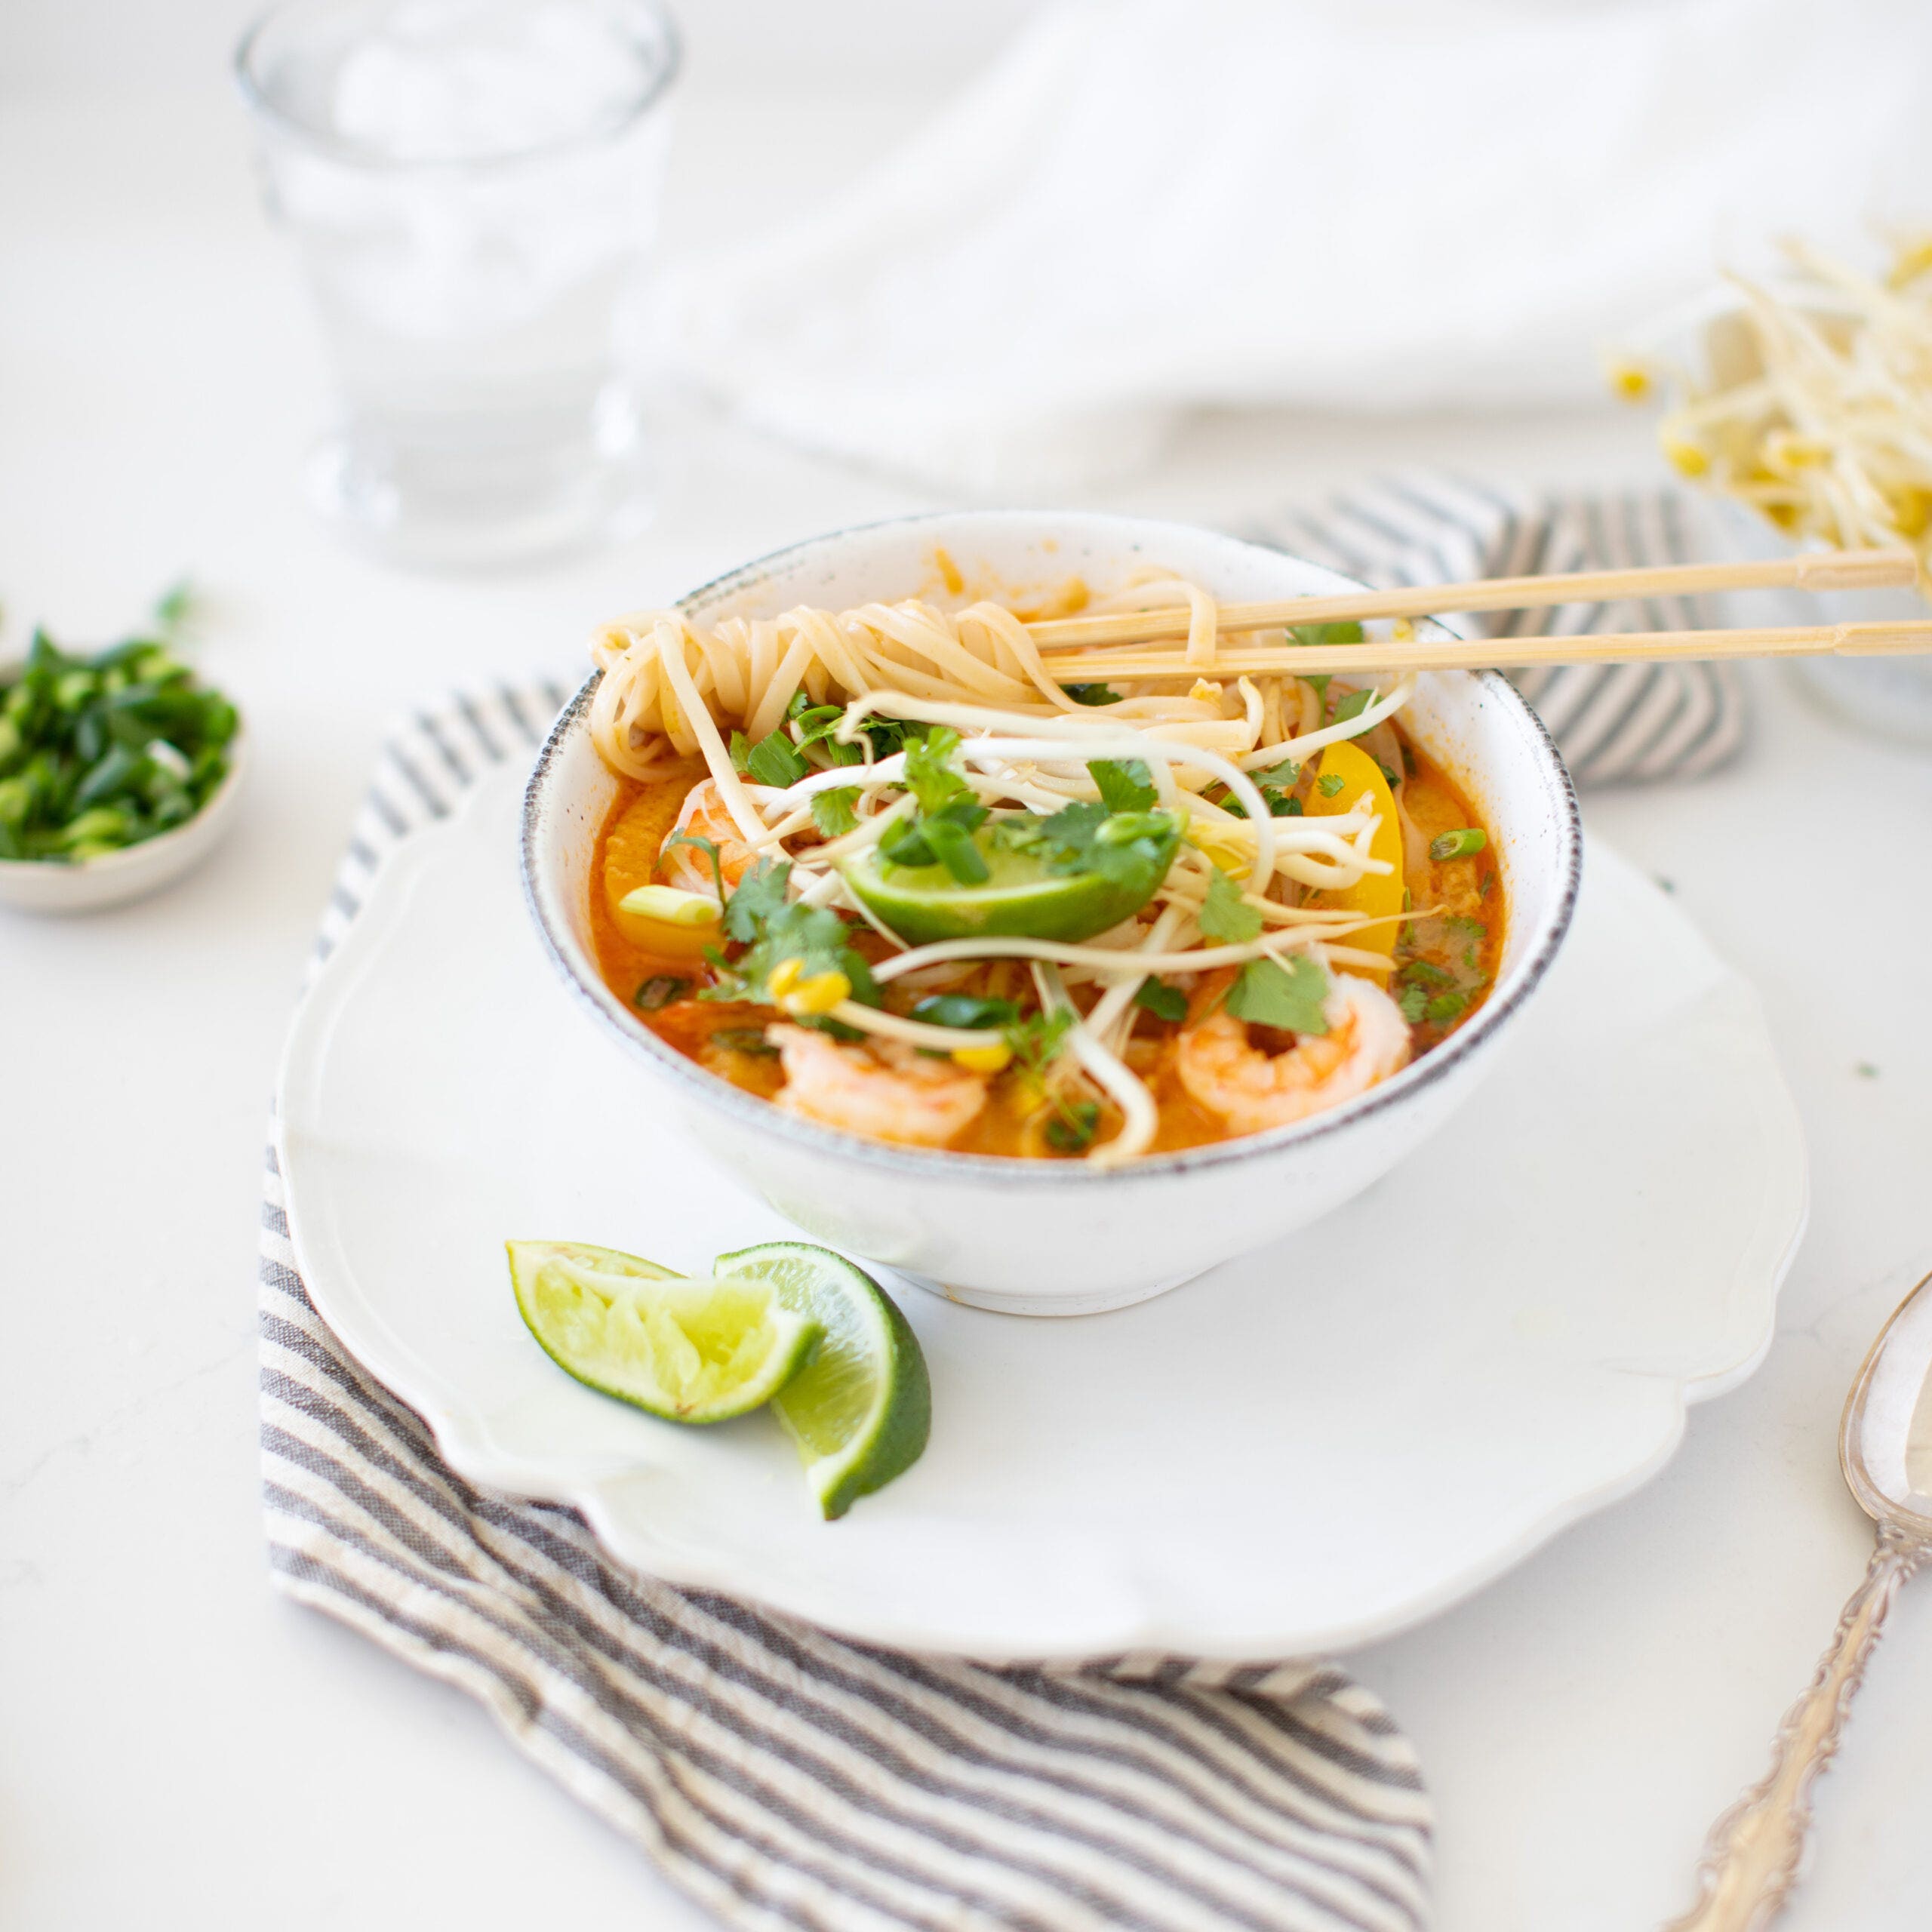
(1755, 1851)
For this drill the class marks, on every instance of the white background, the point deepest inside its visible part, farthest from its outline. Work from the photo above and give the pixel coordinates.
(177, 1747)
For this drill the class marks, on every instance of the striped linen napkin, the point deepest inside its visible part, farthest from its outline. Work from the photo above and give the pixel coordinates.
(783, 1776)
(1613, 723)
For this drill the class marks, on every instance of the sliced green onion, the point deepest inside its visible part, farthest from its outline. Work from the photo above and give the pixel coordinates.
(1462, 844)
(659, 992)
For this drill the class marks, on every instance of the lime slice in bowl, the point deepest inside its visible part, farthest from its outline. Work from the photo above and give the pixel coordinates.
(861, 1409)
(691, 1351)
(1021, 895)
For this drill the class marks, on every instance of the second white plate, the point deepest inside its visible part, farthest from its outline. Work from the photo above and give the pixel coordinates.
(1308, 1448)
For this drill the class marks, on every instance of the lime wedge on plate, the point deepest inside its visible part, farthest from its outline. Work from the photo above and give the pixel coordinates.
(689, 1351)
(860, 1409)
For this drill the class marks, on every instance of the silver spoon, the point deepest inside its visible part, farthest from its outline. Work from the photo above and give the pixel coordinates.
(1755, 1852)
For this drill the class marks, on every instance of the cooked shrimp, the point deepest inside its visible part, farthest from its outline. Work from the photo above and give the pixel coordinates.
(704, 815)
(1368, 1040)
(884, 1088)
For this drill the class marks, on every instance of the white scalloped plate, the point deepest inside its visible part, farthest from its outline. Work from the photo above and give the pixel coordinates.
(1313, 1447)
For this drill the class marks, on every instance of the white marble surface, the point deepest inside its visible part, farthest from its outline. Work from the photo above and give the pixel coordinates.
(176, 1745)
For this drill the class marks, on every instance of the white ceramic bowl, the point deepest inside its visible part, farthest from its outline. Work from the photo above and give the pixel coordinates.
(43, 885)
(1054, 1238)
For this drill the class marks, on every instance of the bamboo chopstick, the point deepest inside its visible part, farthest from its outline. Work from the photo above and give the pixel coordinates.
(1825, 570)
(1508, 653)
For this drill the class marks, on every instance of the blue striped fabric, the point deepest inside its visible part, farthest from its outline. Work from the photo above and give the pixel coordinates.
(1613, 723)
(780, 1776)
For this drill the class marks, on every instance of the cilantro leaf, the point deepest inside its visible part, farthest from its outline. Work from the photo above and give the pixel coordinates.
(1073, 1126)
(1286, 773)
(175, 605)
(1037, 1038)
(1290, 997)
(1162, 1001)
(1224, 915)
(930, 775)
(1319, 684)
(708, 848)
(1330, 784)
(775, 760)
(1092, 693)
(777, 929)
(1414, 1002)
(966, 1011)
(1422, 973)
(1125, 785)
(759, 899)
(1353, 705)
(835, 812)
(1281, 804)
(1445, 1007)
(925, 839)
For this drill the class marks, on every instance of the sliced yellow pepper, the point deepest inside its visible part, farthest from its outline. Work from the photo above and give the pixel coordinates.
(1374, 894)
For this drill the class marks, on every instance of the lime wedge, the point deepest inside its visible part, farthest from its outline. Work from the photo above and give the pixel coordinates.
(689, 1351)
(860, 1409)
(1019, 897)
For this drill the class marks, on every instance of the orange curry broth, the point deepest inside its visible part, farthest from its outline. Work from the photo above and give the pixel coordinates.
(1443, 954)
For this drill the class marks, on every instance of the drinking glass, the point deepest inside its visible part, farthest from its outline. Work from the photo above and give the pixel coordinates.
(472, 186)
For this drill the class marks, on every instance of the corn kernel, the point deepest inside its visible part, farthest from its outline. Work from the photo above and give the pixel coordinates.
(814, 994)
(785, 975)
(1911, 262)
(1631, 380)
(992, 1059)
(1684, 457)
(1232, 850)
(1912, 510)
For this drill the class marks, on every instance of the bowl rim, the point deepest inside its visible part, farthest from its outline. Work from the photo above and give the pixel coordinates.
(942, 1163)
(125, 858)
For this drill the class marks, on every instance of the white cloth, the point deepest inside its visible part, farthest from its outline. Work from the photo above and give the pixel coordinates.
(1148, 205)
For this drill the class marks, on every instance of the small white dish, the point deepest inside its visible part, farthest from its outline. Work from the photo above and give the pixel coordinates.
(42, 885)
(1060, 1236)
(1325, 1440)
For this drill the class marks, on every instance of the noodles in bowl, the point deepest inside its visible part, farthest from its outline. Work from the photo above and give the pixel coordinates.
(891, 875)
(945, 901)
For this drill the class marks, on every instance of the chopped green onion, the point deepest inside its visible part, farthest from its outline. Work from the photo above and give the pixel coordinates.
(743, 1040)
(1462, 844)
(658, 992)
(965, 1011)
(774, 760)
(1092, 693)
(1445, 1007)
(1071, 1129)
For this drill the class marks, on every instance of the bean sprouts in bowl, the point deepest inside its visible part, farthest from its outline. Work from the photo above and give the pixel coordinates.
(1132, 1207)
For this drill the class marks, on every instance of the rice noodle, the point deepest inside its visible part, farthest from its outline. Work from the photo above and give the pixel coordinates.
(671, 687)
